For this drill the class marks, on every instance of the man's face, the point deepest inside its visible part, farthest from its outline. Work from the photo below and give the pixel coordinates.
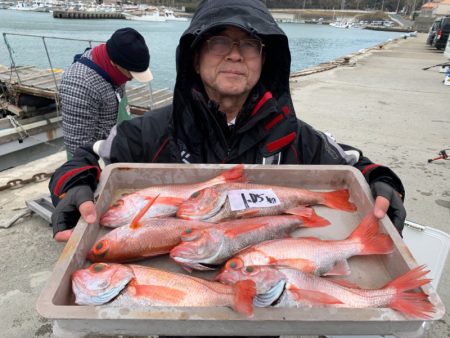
(233, 74)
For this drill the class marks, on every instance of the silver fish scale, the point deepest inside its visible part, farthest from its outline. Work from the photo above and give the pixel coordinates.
(279, 228)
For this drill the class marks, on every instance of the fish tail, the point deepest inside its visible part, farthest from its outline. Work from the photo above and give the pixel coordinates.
(338, 200)
(410, 280)
(244, 292)
(235, 174)
(308, 217)
(414, 304)
(374, 243)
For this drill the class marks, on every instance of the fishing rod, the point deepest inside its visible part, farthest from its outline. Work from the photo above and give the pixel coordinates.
(442, 156)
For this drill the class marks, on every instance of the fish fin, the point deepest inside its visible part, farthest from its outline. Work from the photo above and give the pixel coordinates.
(235, 174)
(414, 304)
(312, 296)
(170, 200)
(301, 264)
(248, 227)
(341, 268)
(159, 293)
(338, 200)
(245, 291)
(346, 283)
(308, 216)
(372, 241)
(410, 280)
(187, 268)
(135, 222)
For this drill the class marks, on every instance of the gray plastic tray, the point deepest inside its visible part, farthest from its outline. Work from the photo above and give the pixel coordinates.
(57, 300)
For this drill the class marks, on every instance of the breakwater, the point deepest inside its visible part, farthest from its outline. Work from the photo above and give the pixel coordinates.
(87, 15)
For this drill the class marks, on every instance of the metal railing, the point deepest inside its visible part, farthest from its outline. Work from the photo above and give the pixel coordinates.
(43, 38)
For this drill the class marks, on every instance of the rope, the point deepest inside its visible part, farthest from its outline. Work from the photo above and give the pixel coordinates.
(22, 131)
(19, 128)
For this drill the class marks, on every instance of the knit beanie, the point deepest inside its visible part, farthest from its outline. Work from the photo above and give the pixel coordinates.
(127, 48)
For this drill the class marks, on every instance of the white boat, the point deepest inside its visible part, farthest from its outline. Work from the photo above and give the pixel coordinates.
(340, 24)
(345, 24)
(154, 17)
(21, 6)
(6, 4)
(168, 14)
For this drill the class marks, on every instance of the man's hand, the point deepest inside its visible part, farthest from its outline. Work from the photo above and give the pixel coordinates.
(387, 200)
(78, 200)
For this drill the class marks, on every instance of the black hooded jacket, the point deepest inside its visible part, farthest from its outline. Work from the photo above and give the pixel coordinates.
(193, 130)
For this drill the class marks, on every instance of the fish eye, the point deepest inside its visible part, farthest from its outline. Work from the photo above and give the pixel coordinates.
(98, 267)
(190, 235)
(250, 270)
(234, 264)
(195, 194)
(101, 247)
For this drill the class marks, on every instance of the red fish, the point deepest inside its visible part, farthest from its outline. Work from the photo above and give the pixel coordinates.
(321, 257)
(135, 286)
(202, 249)
(151, 238)
(289, 287)
(170, 197)
(240, 200)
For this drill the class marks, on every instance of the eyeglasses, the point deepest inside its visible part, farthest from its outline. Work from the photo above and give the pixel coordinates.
(222, 45)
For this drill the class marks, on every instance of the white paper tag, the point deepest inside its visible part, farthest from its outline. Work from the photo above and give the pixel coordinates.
(252, 198)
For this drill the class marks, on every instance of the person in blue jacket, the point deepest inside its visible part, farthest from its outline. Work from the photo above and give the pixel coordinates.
(231, 104)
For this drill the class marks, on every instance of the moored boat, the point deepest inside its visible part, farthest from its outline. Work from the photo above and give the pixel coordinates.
(169, 16)
(153, 17)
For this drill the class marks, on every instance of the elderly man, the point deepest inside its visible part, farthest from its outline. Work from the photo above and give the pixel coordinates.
(231, 105)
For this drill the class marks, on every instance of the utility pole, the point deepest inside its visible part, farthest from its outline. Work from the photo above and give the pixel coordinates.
(398, 5)
(413, 10)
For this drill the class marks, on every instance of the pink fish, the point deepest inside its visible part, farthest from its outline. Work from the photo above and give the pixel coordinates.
(203, 249)
(286, 286)
(214, 204)
(170, 197)
(320, 257)
(150, 238)
(140, 287)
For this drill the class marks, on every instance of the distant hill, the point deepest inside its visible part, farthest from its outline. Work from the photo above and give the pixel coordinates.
(386, 5)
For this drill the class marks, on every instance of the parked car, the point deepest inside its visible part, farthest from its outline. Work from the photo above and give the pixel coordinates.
(432, 31)
(442, 33)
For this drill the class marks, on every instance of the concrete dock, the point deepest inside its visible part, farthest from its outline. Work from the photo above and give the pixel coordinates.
(381, 102)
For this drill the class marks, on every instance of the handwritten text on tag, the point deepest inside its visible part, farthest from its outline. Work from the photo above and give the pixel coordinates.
(252, 198)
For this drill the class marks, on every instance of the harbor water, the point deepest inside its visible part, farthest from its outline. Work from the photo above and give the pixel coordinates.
(310, 44)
